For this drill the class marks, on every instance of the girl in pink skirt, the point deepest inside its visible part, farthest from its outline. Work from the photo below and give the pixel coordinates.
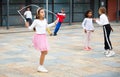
(40, 40)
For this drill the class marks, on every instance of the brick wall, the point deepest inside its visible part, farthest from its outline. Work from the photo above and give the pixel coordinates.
(112, 9)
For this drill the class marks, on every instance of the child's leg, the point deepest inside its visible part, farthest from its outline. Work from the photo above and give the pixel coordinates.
(108, 45)
(42, 57)
(27, 24)
(57, 28)
(30, 21)
(87, 39)
(107, 41)
(108, 37)
(41, 68)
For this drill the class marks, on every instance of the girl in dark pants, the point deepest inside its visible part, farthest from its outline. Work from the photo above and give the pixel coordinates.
(107, 30)
(107, 42)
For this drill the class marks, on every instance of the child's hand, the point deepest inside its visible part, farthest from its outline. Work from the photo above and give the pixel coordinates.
(112, 29)
(97, 19)
(85, 30)
(92, 30)
(94, 19)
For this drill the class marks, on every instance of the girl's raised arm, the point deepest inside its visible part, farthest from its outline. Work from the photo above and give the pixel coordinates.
(54, 23)
(101, 20)
(33, 25)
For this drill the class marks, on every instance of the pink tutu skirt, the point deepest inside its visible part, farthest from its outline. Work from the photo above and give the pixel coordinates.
(40, 42)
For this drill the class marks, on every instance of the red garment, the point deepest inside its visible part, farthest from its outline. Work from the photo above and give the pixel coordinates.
(61, 16)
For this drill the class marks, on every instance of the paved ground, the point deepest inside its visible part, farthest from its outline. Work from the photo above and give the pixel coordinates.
(66, 56)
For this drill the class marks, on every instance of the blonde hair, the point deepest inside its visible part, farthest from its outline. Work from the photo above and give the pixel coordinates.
(102, 10)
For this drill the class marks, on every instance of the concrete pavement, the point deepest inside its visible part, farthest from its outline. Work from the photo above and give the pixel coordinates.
(66, 57)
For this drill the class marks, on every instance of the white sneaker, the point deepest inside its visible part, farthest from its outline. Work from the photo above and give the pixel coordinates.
(106, 52)
(42, 69)
(111, 53)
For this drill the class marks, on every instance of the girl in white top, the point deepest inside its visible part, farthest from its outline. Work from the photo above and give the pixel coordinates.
(28, 16)
(88, 27)
(107, 30)
(28, 13)
(40, 40)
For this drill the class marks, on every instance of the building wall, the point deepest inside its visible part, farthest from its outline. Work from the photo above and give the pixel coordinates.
(79, 7)
(0, 13)
(112, 9)
(96, 7)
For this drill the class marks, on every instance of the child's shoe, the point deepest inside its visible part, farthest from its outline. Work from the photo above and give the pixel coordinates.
(51, 34)
(42, 69)
(86, 48)
(111, 53)
(89, 48)
(106, 52)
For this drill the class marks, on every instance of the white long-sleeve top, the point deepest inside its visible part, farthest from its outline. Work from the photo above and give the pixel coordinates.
(88, 24)
(40, 26)
(28, 14)
(103, 20)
